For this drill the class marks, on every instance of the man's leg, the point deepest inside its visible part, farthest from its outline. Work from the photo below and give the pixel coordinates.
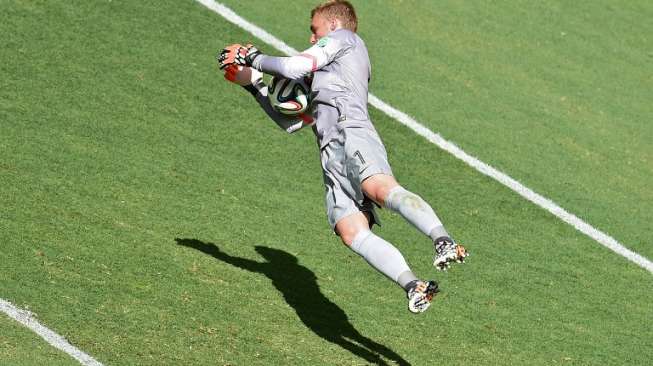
(384, 257)
(380, 254)
(385, 190)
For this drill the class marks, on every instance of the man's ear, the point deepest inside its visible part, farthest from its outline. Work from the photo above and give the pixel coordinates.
(334, 24)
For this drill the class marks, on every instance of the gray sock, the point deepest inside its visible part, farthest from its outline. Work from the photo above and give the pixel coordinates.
(383, 256)
(416, 211)
(438, 232)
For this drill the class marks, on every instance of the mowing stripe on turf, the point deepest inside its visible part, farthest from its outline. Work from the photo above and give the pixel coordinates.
(580, 225)
(27, 319)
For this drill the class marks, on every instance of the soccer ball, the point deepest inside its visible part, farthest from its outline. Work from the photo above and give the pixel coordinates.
(287, 96)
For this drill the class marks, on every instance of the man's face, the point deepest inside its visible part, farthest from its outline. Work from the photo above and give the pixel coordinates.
(320, 27)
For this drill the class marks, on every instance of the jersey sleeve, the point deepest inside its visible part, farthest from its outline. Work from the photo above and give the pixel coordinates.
(289, 124)
(322, 53)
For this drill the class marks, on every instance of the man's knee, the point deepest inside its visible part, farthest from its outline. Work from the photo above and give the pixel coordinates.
(348, 234)
(347, 238)
(378, 186)
(350, 226)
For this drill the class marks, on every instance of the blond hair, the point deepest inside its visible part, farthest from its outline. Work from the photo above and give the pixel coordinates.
(341, 10)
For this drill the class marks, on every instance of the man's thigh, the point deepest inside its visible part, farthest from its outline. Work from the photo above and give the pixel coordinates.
(365, 155)
(343, 196)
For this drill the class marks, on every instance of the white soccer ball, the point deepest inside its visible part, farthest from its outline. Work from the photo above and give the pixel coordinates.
(287, 96)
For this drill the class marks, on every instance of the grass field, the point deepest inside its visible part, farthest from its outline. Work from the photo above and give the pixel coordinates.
(152, 215)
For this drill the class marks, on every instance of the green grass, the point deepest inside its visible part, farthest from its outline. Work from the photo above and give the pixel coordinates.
(555, 93)
(19, 346)
(153, 216)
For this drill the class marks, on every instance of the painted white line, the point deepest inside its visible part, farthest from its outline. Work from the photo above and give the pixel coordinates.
(580, 225)
(599, 236)
(27, 319)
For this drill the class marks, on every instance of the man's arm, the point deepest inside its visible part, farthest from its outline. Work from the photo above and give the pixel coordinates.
(319, 55)
(289, 124)
(252, 81)
(316, 57)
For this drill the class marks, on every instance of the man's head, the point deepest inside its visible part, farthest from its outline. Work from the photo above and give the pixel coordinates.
(332, 15)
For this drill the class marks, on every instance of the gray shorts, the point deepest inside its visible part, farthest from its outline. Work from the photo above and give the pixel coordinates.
(347, 161)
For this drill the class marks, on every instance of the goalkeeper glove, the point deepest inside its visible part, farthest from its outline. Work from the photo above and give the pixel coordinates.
(238, 54)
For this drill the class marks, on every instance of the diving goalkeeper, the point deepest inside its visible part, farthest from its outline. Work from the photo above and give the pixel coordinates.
(355, 167)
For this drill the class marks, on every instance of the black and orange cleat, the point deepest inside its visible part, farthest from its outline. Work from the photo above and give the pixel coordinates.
(420, 294)
(447, 251)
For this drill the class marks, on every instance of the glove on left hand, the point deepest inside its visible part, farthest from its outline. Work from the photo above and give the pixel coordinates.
(238, 54)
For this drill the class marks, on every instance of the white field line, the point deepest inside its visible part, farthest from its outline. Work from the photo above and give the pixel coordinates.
(545, 203)
(27, 319)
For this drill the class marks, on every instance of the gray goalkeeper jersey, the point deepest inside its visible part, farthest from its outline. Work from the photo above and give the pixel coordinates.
(341, 72)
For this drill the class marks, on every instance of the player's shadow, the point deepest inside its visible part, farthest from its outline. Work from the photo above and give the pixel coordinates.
(299, 287)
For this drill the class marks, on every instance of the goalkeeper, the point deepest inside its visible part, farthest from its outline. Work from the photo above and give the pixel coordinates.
(354, 161)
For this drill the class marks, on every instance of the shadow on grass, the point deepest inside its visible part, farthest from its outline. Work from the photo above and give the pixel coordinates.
(299, 287)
